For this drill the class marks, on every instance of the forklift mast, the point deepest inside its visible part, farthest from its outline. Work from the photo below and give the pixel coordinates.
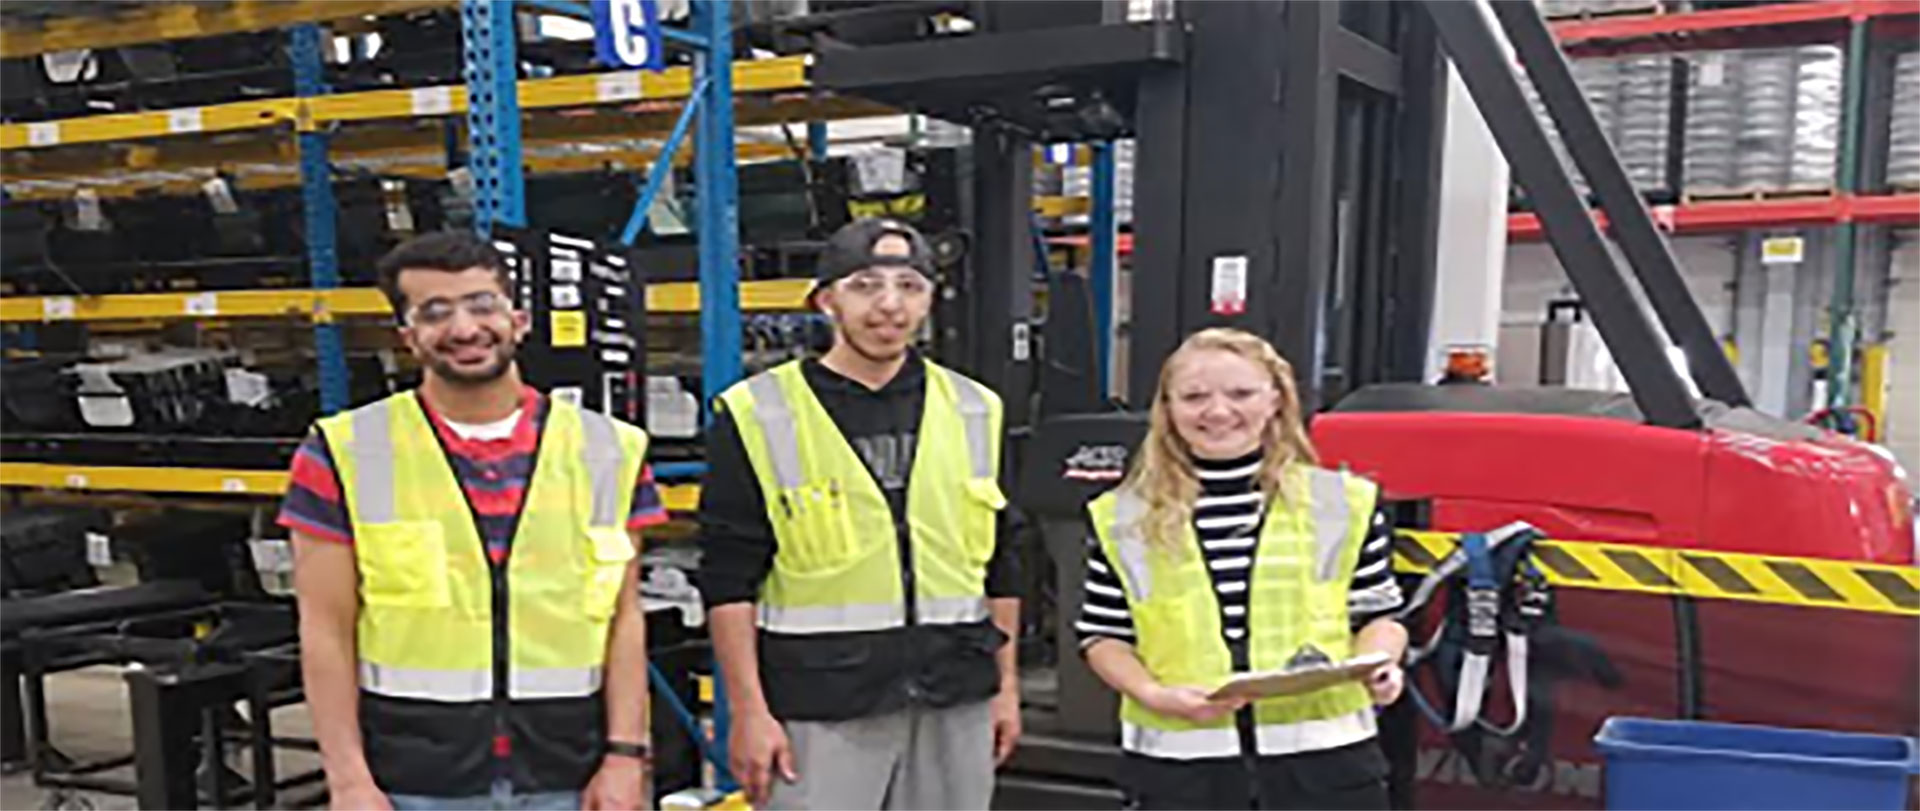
(1290, 157)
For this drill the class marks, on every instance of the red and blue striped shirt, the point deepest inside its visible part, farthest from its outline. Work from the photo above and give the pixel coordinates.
(493, 472)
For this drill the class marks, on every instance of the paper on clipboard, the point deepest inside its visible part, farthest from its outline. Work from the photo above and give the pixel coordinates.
(1297, 680)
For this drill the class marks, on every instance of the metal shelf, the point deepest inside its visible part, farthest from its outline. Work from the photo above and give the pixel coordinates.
(158, 22)
(216, 481)
(323, 305)
(620, 87)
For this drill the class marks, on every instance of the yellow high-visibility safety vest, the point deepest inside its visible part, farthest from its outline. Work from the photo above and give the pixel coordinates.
(426, 627)
(1302, 571)
(837, 566)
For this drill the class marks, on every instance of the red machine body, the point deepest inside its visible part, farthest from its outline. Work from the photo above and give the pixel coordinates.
(1583, 466)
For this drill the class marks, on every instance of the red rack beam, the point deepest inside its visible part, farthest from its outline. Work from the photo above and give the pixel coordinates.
(1700, 22)
(1733, 215)
(1700, 218)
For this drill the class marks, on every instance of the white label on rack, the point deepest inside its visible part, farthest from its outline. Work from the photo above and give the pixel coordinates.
(1022, 342)
(43, 133)
(77, 481)
(99, 550)
(1229, 285)
(203, 304)
(87, 214)
(1713, 70)
(1783, 251)
(233, 485)
(187, 120)
(272, 555)
(566, 297)
(622, 86)
(220, 196)
(432, 100)
(56, 308)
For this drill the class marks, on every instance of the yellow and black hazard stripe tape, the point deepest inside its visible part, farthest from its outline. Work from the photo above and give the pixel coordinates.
(1852, 585)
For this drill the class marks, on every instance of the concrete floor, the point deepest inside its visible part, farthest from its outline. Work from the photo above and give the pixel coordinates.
(87, 710)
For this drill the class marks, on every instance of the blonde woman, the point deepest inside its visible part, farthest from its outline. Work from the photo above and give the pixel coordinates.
(1228, 550)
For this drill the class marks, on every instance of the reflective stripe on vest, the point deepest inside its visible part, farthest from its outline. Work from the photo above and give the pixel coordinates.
(1272, 739)
(373, 489)
(603, 456)
(974, 414)
(821, 619)
(477, 685)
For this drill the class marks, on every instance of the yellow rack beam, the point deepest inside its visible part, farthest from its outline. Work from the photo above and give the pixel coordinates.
(239, 115)
(241, 155)
(666, 297)
(158, 22)
(1055, 207)
(144, 479)
(225, 481)
(757, 76)
(429, 168)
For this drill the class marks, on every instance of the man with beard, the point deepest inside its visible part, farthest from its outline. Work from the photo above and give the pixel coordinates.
(856, 560)
(465, 563)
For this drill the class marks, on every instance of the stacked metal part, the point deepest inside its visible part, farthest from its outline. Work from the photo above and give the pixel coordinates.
(1903, 141)
(1077, 181)
(1599, 80)
(1643, 107)
(1713, 122)
(1555, 9)
(1764, 121)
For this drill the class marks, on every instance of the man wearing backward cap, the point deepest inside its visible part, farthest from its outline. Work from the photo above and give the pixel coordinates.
(857, 562)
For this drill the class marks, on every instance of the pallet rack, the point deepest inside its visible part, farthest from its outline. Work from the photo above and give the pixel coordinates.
(617, 119)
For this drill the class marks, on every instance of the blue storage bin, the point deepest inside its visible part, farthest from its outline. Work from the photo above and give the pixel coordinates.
(1677, 765)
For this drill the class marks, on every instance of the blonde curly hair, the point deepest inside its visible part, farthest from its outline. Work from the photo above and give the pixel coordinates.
(1163, 470)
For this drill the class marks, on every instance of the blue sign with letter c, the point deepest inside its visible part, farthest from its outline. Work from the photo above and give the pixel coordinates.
(626, 33)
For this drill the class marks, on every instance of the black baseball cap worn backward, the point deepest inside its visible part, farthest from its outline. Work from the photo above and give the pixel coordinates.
(851, 250)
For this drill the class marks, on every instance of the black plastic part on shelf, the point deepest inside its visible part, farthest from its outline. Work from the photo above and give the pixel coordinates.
(1646, 249)
(44, 549)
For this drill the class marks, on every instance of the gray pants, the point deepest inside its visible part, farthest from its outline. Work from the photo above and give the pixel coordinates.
(909, 760)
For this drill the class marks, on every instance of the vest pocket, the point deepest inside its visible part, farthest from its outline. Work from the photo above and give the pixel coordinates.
(403, 564)
(609, 551)
(822, 537)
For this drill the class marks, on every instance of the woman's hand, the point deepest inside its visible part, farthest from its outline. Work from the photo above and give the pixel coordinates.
(1189, 704)
(1385, 683)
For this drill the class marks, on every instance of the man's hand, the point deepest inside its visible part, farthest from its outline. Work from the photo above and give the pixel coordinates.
(1189, 704)
(1005, 710)
(357, 797)
(1385, 684)
(757, 749)
(619, 785)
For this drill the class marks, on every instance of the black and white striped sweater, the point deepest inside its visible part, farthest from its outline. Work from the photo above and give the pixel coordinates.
(1226, 522)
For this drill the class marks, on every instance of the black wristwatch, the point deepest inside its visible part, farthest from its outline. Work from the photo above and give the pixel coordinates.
(637, 751)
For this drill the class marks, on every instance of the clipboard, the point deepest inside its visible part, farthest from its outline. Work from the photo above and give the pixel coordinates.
(1297, 680)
